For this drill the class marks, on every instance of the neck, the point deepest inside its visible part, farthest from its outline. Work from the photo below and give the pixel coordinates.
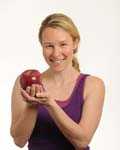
(63, 77)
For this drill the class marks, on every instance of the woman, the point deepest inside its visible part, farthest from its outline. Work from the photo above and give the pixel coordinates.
(67, 113)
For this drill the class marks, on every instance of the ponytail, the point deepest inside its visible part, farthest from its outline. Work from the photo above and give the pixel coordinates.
(66, 23)
(75, 63)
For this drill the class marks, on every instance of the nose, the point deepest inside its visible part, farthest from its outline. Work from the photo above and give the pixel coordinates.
(56, 51)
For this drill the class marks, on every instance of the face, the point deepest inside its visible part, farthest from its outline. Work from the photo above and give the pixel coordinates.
(58, 47)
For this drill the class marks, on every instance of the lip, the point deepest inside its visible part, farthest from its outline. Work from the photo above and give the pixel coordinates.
(56, 59)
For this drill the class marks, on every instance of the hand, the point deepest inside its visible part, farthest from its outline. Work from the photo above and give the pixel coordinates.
(30, 100)
(44, 98)
(30, 93)
(35, 95)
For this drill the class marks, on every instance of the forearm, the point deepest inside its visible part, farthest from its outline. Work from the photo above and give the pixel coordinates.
(22, 129)
(71, 130)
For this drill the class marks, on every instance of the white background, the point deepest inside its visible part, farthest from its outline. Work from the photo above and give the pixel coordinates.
(99, 54)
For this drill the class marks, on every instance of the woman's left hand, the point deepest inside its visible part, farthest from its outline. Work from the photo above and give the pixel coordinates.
(36, 95)
(44, 98)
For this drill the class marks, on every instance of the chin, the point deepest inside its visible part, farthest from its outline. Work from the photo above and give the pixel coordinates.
(57, 69)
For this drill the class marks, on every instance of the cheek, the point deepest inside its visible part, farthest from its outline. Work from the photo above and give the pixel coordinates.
(46, 53)
(68, 52)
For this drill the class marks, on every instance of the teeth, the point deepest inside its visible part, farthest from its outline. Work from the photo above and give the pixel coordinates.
(57, 61)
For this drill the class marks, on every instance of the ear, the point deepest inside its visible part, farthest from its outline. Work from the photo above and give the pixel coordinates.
(75, 44)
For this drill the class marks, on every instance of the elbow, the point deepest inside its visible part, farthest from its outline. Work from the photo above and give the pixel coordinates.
(20, 141)
(82, 143)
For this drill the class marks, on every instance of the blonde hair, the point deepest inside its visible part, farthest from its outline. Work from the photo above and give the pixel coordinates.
(60, 20)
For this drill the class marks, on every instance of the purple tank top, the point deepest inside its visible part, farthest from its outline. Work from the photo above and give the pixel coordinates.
(46, 135)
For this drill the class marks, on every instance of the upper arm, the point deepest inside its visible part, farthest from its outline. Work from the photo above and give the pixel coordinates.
(17, 103)
(93, 105)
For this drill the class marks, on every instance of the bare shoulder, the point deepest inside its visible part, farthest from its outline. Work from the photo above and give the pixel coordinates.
(93, 80)
(16, 91)
(93, 84)
(44, 75)
(93, 104)
(16, 86)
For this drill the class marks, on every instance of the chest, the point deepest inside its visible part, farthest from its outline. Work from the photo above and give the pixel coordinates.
(62, 92)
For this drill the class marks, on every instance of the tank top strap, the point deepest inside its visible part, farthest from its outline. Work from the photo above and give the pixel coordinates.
(82, 84)
(83, 77)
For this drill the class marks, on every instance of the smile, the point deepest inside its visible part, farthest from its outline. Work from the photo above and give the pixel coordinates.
(57, 61)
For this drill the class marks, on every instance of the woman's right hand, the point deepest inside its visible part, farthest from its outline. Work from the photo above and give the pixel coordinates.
(29, 95)
(24, 113)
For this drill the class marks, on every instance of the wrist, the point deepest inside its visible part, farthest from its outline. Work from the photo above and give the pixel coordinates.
(52, 103)
(31, 105)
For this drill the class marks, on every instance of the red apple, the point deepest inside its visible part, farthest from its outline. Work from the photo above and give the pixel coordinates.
(29, 77)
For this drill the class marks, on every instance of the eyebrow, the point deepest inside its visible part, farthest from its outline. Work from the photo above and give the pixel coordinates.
(47, 42)
(53, 43)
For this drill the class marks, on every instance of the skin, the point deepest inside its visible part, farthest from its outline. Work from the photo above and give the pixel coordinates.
(58, 44)
(80, 134)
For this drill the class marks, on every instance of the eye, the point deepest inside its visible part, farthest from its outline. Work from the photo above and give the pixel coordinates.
(64, 44)
(49, 46)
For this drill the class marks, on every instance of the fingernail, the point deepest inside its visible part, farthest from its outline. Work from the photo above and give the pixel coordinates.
(37, 94)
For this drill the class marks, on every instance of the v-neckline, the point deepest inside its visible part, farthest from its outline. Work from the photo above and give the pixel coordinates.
(75, 86)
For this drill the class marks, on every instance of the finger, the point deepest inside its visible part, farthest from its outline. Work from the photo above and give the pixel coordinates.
(24, 94)
(43, 88)
(27, 97)
(32, 103)
(32, 90)
(42, 95)
(28, 89)
(39, 89)
(38, 95)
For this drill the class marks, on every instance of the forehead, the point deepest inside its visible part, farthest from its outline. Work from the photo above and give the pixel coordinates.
(54, 34)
